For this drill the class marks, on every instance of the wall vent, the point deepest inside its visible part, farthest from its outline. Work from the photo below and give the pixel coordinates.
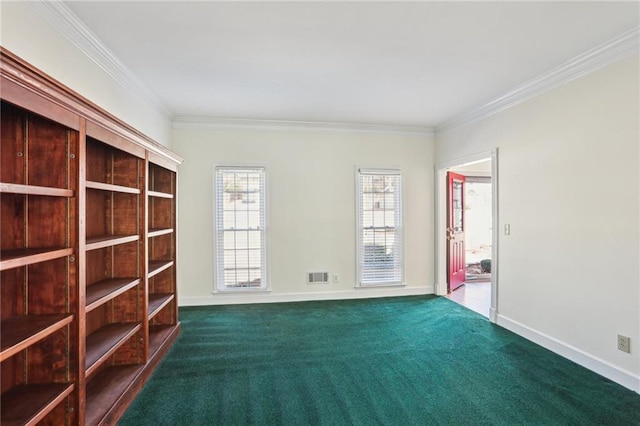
(317, 278)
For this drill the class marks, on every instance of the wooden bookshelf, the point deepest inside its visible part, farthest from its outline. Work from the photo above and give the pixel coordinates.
(162, 312)
(37, 267)
(87, 256)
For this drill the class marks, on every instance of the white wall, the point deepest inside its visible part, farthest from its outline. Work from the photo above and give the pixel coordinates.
(26, 34)
(568, 186)
(311, 209)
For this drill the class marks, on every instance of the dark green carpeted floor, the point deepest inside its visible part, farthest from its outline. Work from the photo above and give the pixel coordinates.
(394, 361)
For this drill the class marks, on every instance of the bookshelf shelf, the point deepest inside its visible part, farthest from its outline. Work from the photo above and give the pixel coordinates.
(103, 291)
(14, 188)
(155, 267)
(16, 258)
(18, 333)
(157, 194)
(109, 241)
(157, 301)
(28, 404)
(156, 232)
(112, 188)
(103, 342)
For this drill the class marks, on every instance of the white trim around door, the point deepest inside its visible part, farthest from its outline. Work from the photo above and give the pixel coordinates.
(440, 284)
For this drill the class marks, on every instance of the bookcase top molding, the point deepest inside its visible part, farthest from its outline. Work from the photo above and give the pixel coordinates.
(58, 102)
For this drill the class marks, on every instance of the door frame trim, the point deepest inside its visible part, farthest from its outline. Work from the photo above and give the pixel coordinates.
(440, 240)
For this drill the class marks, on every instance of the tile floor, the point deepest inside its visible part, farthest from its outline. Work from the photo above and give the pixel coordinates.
(474, 295)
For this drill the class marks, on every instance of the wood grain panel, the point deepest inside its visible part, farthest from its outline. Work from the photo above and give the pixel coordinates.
(48, 288)
(96, 212)
(98, 160)
(12, 292)
(127, 260)
(162, 282)
(47, 221)
(162, 247)
(96, 318)
(47, 359)
(124, 308)
(47, 145)
(127, 170)
(160, 213)
(99, 265)
(12, 223)
(161, 179)
(12, 144)
(126, 207)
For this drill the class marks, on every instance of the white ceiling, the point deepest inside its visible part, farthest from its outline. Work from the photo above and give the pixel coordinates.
(382, 63)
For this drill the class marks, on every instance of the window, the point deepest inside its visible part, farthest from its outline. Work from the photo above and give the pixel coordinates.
(380, 245)
(240, 228)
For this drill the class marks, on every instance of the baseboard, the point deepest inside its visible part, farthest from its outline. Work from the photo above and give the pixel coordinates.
(493, 315)
(595, 364)
(440, 288)
(271, 297)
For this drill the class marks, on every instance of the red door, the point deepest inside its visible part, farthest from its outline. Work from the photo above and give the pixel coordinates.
(455, 231)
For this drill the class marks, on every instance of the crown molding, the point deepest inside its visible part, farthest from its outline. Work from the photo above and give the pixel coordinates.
(235, 124)
(615, 49)
(68, 24)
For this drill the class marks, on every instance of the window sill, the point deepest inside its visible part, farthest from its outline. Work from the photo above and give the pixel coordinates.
(380, 285)
(242, 291)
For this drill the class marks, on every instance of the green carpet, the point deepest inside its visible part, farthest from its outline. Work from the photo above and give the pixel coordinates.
(394, 361)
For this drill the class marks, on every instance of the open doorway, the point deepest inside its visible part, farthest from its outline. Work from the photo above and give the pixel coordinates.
(479, 226)
(472, 180)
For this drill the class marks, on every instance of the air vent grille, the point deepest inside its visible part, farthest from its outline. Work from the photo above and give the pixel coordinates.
(317, 278)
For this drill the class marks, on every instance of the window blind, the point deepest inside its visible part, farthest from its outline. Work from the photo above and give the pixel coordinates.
(240, 228)
(380, 235)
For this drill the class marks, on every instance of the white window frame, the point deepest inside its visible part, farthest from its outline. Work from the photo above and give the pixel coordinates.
(366, 277)
(219, 230)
